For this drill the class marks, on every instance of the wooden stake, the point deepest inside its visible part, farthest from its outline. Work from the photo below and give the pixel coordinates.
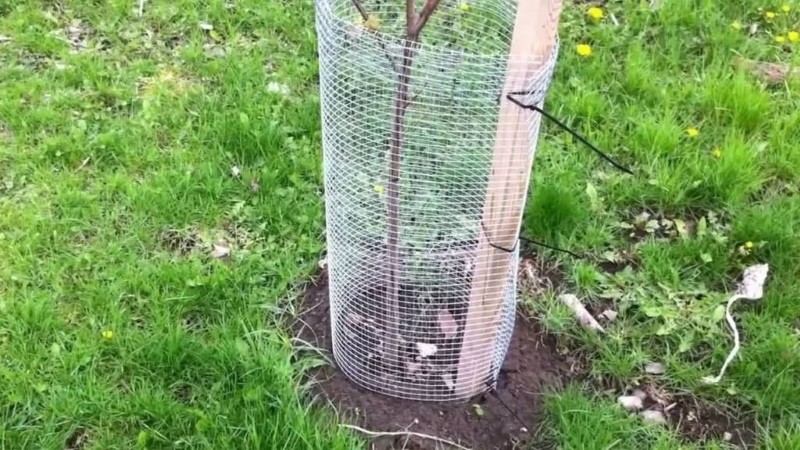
(533, 39)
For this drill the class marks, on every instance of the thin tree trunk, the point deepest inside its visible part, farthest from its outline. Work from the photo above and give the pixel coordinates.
(393, 201)
(414, 25)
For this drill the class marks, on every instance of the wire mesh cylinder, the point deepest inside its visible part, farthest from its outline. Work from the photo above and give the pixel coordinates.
(398, 317)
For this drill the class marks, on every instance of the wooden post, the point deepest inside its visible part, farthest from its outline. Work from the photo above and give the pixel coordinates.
(533, 39)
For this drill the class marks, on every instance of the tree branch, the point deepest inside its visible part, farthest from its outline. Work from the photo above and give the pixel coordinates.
(411, 16)
(425, 14)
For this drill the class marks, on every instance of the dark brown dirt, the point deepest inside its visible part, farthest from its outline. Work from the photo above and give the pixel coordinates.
(532, 366)
(698, 421)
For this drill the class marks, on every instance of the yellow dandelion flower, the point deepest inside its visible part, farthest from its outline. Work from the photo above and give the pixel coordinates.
(769, 15)
(716, 153)
(107, 334)
(736, 25)
(692, 132)
(780, 39)
(595, 13)
(794, 36)
(464, 7)
(749, 245)
(786, 8)
(379, 189)
(584, 50)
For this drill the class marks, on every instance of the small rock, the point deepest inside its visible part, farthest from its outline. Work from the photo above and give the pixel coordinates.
(727, 436)
(654, 417)
(630, 402)
(426, 349)
(640, 394)
(655, 368)
(609, 315)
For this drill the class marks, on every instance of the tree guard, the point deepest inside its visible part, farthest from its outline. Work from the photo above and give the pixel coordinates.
(426, 170)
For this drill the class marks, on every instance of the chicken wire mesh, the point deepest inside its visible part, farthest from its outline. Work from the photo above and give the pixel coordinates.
(449, 137)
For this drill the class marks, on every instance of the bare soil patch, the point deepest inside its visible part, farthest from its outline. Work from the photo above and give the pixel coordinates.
(488, 421)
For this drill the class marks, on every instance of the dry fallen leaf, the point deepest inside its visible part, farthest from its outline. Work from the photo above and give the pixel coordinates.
(413, 367)
(630, 402)
(773, 73)
(447, 324)
(221, 250)
(655, 368)
(448, 381)
(426, 349)
(278, 88)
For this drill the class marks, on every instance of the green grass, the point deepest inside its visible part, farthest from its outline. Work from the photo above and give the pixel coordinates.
(116, 180)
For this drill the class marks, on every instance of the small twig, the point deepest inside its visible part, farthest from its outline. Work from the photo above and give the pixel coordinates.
(84, 162)
(361, 10)
(141, 8)
(365, 16)
(403, 433)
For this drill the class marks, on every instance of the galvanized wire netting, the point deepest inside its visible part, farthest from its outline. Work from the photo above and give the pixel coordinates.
(449, 138)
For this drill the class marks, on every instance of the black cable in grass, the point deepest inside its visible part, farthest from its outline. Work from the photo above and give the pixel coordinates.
(493, 391)
(551, 247)
(529, 241)
(569, 130)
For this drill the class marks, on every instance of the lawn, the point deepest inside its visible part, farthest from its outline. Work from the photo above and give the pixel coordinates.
(161, 204)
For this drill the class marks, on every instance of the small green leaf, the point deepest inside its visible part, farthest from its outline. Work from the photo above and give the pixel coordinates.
(702, 227)
(719, 313)
(142, 439)
(687, 341)
(706, 258)
(680, 226)
(478, 410)
(594, 200)
(242, 347)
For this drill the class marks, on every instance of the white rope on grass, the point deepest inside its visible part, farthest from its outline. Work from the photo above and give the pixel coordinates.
(752, 288)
